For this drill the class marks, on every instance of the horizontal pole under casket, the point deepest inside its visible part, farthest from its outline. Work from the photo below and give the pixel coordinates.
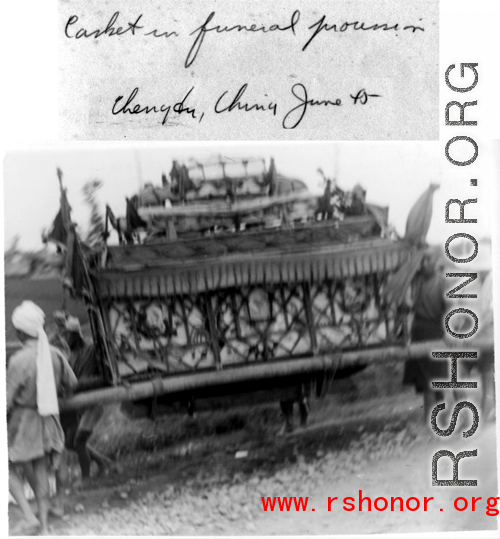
(184, 383)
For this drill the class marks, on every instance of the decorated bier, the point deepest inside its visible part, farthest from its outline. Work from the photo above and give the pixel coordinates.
(246, 298)
(222, 279)
(270, 273)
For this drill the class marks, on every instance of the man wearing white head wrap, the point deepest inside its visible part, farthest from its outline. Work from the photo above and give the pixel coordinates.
(36, 376)
(30, 319)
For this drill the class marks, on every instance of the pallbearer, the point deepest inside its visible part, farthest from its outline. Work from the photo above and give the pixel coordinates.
(79, 425)
(428, 325)
(36, 376)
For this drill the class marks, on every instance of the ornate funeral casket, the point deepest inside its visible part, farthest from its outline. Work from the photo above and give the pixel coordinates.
(238, 265)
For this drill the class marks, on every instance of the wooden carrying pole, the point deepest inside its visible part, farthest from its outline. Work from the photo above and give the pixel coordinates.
(189, 382)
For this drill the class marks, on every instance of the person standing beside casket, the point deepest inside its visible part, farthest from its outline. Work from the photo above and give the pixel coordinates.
(487, 357)
(79, 425)
(36, 376)
(429, 310)
(299, 394)
(485, 363)
(56, 336)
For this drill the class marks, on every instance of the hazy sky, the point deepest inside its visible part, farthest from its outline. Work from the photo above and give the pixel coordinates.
(394, 175)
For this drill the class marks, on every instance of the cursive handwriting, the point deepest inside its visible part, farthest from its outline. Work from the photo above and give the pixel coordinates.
(179, 108)
(201, 31)
(295, 115)
(236, 103)
(321, 25)
(228, 102)
(74, 30)
(110, 29)
(362, 97)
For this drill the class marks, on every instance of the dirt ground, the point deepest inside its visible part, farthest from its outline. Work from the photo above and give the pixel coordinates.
(211, 483)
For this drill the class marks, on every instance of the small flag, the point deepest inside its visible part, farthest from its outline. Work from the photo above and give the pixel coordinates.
(272, 178)
(111, 217)
(115, 223)
(419, 218)
(63, 234)
(62, 225)
(74, 277)
(134, 220)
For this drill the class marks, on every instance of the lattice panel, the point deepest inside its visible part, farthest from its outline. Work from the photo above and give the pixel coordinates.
(174, 332)
(348, 314)
(254, 324)
(259, 324)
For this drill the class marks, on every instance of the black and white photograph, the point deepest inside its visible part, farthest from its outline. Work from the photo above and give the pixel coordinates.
(242, 339)
(251, 259)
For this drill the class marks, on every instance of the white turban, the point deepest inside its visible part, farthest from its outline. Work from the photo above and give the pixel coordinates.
(30, 319)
